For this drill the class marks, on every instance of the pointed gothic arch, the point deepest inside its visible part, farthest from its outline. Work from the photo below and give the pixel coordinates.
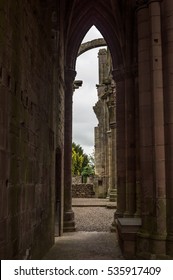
(82, 22)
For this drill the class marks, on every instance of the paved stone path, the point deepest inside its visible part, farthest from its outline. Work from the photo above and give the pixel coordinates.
(93, 239)
(85, 246)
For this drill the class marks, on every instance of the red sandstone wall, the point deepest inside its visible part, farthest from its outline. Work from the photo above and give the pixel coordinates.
(26, 131)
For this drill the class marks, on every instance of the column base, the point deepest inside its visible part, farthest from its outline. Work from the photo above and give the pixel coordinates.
(118, 214)
(113, 195)
(108, 193)
(158, 244)
(69, 223)
(127, 229)
(151, 247)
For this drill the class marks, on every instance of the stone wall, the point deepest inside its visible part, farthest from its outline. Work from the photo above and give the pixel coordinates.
(105, 155)
(76, 180)
(82, 191)
(27, 133)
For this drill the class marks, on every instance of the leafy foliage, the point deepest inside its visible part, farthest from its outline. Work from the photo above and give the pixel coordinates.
(79, 159)
(87, 171)
(82, 164)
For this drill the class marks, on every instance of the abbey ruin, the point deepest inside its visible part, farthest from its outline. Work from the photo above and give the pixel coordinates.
(39, 44)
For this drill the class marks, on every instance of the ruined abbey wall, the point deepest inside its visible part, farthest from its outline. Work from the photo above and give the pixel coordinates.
(105, 140)
(39, 44)
(27, 130)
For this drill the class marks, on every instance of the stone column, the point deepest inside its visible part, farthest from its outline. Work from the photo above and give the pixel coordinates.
(109, 138)
(145, 128)
(118, 76)
(145, 112)
(158, 237)
(113, 169)
(167, 28)
(151, 239)
(138, 171)
(111, 105)
(130, 143)
(69, 224)
(113, 186)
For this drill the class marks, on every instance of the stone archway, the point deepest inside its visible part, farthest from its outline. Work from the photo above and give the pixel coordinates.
(120, 33)
(37, 70)
(124, 75)
(91, 45)
(92, 16)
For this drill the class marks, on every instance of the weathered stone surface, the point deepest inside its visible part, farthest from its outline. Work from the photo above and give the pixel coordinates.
(105, 132)
(26, 147)
(127, 229)
(76, 179)
(82, 191)
(91, 45)
(39, 43)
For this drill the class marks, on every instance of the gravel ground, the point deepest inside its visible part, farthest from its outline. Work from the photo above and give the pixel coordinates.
(92, 240)
(93, 218)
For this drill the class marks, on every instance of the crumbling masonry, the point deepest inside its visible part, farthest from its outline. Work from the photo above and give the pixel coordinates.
(39, 43)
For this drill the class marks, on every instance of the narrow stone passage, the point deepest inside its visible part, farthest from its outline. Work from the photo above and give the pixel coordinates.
(92, 239)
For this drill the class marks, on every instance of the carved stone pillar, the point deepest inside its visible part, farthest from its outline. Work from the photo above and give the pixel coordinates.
(138, 171)
(151, 239)
(69, 224)
(145, 115)
(109, 137)
(158, 237)
(118, 76)
(112, 142)
(113, 186)
(130, 143)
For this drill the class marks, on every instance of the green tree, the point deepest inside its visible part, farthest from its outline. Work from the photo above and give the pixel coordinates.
(86, 172)
(79, 159)
(82, 164)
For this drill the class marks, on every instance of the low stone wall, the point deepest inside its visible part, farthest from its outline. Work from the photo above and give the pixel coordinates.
(82, 191)
(76, 180)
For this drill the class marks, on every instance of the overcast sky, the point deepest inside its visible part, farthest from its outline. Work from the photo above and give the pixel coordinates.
(84, 98)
